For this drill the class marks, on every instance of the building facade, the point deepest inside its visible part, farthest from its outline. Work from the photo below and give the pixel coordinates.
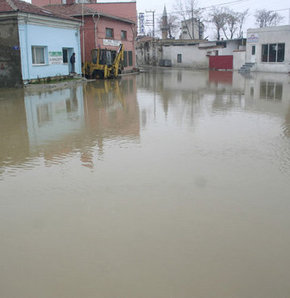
(106, 25)
(268, 49)
(42, 43)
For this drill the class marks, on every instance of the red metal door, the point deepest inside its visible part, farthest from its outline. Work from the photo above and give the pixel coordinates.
(221, 62)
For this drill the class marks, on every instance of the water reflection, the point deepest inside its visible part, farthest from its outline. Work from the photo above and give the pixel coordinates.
(197, 197)
(226, 90)
(188, 96)
(55, 124)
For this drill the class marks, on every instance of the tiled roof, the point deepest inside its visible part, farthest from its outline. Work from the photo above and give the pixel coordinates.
(21, 6)
(74, 10)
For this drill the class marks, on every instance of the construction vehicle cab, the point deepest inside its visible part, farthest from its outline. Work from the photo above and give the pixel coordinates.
(105, 64)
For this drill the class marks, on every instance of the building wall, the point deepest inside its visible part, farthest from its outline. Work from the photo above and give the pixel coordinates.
(149, 53)
(239, 59)
(268, 35)
(192, 56)
(54, 39)
(231, 45)
(10, 70)
(125, 10)
(191, 29)
(95, 35)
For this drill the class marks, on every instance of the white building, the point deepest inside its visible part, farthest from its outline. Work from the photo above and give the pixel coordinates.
(268, 49)
(192, 29)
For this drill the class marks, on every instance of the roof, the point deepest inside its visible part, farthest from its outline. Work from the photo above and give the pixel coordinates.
(10, 6)
(75, 10)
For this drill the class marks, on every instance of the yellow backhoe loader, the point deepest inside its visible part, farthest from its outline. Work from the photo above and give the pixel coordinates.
(105, 64)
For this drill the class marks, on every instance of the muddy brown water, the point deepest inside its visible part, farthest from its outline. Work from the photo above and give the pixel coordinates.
(172, 183)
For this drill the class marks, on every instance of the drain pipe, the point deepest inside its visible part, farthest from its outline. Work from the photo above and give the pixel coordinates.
(95, 28)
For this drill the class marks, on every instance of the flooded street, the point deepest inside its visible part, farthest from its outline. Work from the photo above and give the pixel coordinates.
(168, 184)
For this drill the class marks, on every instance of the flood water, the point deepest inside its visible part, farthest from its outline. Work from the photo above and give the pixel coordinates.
(171, 183)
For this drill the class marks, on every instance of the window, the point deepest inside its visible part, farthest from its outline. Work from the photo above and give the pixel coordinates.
(109, 33)
(130, 58)
(38, 55)
(179, 58)
(123, 35)
(281, 52)
(221, 43)
(273, 52)
(264, 53)
(253, 50)
(125, 59)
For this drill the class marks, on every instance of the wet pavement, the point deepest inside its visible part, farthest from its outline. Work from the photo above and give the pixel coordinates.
(171, 183)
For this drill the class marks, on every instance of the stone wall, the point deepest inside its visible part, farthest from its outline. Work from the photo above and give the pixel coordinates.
(10, 63)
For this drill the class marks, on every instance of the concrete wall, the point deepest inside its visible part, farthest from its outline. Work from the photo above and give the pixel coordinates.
(54, 39)
(149, 53)
(239, 59)
(230, 47)
(259, 36)
(192, 56)
(10, 70)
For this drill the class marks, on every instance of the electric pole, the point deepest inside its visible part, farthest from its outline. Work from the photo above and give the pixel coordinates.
(152, 21)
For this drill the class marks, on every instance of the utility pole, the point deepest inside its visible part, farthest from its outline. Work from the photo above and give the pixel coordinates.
(151, 22)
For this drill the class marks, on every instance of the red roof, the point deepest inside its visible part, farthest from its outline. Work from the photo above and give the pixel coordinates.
(21, 6)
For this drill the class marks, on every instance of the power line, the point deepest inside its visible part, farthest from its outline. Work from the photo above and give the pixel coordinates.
(211, 6)
(153, 20)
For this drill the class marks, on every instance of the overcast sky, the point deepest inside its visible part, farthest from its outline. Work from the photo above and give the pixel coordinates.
(239, 6)
(253, 5)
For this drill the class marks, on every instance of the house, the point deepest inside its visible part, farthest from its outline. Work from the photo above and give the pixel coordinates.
(268, 49)
(106, 25)
(35, 43)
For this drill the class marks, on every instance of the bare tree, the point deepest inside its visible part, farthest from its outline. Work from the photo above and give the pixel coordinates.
(266, 18)
(188, 10)
(227, 21)
(219, 19)
(232, 20)
(242, 17)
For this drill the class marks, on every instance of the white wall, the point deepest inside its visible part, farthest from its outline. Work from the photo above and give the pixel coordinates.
(228, 50)
(192, 56)
(278, 34)
(239, 59)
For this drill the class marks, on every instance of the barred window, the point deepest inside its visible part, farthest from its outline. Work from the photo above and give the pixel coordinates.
(274, 52)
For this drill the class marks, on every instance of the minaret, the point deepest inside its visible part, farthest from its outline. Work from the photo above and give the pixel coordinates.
(164, 27)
